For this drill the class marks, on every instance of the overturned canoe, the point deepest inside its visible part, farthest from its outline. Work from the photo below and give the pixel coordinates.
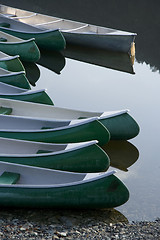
(74, 157)
(120, 124)
(50, 39)
(37, 96)
(53, 131)
(77, 32)
(26, 49)
(26, 186)
(11, 63)
(17, 79)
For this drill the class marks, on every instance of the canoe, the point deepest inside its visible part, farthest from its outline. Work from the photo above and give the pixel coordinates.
(17, 79)
(11, 63)
(120, 124)
(77, 33)
(37, 96)
(34, 187)
(8, 89)
(26, 49)
(108, 59)
(26, 128)
(74, 157)
(51, 39)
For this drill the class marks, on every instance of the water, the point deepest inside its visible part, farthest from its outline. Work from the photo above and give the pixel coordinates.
(90, 87)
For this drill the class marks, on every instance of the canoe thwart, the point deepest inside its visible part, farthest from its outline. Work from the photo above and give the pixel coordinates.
(9, 178)
(2, 39)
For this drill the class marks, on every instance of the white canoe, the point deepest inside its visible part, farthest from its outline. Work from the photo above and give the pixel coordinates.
(77, 32)
(8, 89)
(119, 123)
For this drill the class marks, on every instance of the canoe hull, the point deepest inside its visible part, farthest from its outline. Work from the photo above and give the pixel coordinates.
(12, 64)
(17, 80)
(27, 50)
(81, 133)
(87, 159)
(106, 192)
(36, 97)
(51, 40)
(116, 43)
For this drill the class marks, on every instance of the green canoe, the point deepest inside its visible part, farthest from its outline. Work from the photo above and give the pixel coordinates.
(17, 79)
(11, 63)
(73, 157)
(26, 49)
(37, 96)
(59, 131)
(49, 39)
(33, 187)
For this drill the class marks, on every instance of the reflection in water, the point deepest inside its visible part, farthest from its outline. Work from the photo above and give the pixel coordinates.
(122, 154)
(32, 72)
(52, 60)
(117, 61)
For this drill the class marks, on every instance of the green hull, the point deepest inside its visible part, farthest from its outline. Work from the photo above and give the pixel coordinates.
(106, 192)
(51, 40)
(16, 79)
(27, 50)
(88, 159)
(37, 97)
(121, 127)
(13, 65)
(81, 133)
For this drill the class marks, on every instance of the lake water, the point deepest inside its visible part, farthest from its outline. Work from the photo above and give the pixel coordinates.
(86, 86)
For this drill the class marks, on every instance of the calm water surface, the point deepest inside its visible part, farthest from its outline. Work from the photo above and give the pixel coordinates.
(89, 87)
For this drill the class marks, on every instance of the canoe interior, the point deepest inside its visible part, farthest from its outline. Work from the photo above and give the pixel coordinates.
(7, 38)
(14, 147)
(42, 177)
(20, 123)
(8, 89)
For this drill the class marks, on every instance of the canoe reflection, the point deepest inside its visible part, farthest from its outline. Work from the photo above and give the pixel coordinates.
(53, 60)
(32, 72)
(122, 154)
(113, 60)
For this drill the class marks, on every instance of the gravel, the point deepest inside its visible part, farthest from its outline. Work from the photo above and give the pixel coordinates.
(53, 224)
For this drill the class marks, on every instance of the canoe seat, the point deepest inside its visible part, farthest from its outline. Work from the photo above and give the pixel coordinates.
(2, 39)
(6, 25)
(5, 110)
(9, 178)
(43, 151)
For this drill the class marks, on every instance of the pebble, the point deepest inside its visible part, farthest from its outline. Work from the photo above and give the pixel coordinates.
(67, 225)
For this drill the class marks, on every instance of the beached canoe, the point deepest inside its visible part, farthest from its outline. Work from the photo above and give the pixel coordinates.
(26, 49)
(53, 131)
(34, 187)
(74, 157)
(37, 96)
(77, 32)
(51, 39)
(120, 124)
(17, 79)
(11, 63)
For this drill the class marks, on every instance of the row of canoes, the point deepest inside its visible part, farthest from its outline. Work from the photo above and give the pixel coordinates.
(53, 33)
(50, 156)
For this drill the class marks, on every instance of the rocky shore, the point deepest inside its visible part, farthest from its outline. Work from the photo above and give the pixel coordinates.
(54, 224)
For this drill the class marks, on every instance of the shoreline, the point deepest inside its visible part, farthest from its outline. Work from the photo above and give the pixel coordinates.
(66, 224)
